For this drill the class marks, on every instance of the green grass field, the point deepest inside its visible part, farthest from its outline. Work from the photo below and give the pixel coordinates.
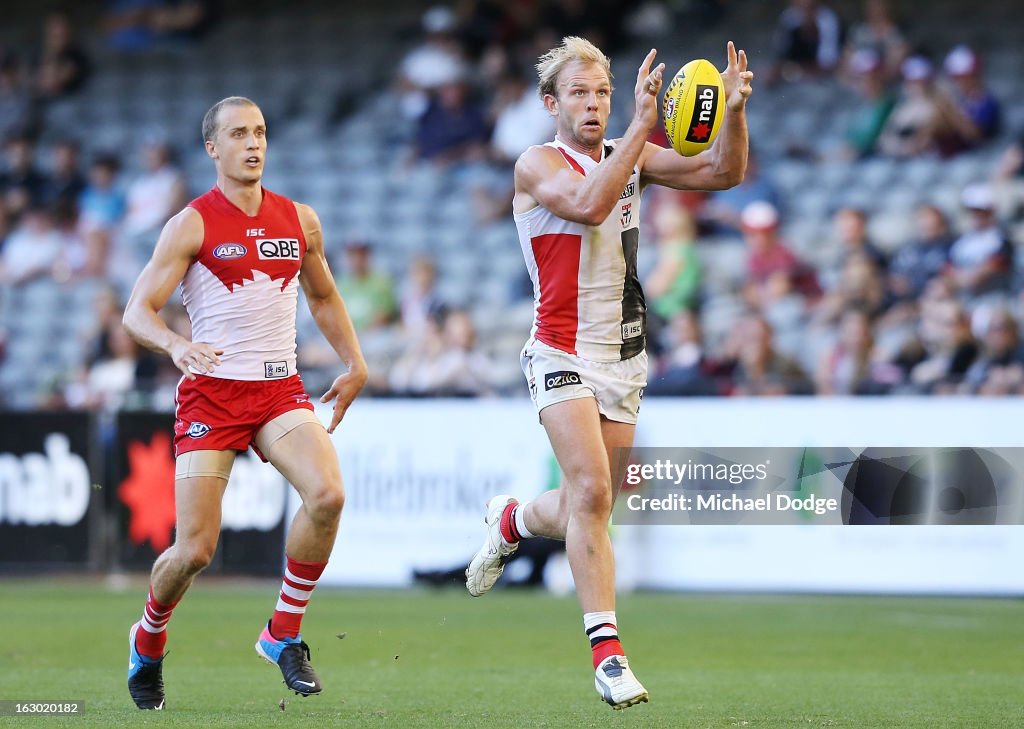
(515, 659)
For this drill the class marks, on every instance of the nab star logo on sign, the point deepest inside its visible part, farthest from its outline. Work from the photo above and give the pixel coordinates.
(277, 249)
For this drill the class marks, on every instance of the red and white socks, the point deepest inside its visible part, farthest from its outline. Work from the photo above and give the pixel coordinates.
(151, 637)
(513, 525)
(299, 580)
(604, 635)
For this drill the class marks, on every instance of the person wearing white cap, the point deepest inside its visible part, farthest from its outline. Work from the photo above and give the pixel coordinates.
(925, 119)
(975, 100)
(981, 259)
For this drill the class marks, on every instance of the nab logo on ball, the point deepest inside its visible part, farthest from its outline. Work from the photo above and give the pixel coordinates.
(693, 108)
(228, 251)
(197, 430)
(703, 113)
(278, 249)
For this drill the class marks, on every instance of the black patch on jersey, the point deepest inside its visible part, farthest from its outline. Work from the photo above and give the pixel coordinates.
(634, 306)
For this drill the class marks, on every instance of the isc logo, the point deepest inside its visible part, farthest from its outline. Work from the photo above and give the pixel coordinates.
(278, 249)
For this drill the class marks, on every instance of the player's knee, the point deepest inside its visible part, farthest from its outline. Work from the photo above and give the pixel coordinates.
(195, 556)
(327, 501)
(592, 497)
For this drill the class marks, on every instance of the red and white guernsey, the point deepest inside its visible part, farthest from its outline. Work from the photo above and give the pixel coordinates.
(240, 292)
(587, 296)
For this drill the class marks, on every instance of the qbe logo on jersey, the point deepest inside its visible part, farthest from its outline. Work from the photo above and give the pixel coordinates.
(278, 249)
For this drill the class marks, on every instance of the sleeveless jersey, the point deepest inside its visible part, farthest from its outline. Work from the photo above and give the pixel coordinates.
(240, 292)
(587, 296)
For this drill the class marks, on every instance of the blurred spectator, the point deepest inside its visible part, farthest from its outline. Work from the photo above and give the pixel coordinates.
(981, 259)
(63, 68)
(773, 272)
(924, 119)
(102, 203)
(443, 361)
(880, 35)
(723, 208)
(66, 182)
(111, 377)
(101, 208)
(868, 120)
(1011, 164)
(155, 195)
(21, 183)
(861, 285)
(453, 128)
(808, 39)
(185, 20)
(17, 112)
(32, 249)
(439, 60)
(922, 259)
(760, 369)
(674, 283)
(685, 367)
(419, 300)
(976, 102)
(999, 335)
(369, 295)
(520, 119)
(949, 348)
(845, 369)
(851, 231)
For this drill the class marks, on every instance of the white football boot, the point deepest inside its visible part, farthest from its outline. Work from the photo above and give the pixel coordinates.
(488, 563)
(616, 684)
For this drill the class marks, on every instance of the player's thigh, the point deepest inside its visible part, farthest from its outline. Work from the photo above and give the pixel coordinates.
(201, 477)
(574, 431)
(618, 441)
(303, 454)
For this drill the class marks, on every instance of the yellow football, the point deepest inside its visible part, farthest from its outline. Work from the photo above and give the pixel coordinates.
(693, 107)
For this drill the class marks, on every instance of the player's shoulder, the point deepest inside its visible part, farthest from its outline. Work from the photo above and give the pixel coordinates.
(307, 215)
(537, 158)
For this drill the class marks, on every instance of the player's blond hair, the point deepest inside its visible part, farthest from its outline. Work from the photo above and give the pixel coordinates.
(573, 48)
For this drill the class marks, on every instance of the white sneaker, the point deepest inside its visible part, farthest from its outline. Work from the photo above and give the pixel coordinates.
(617, 685)
(488, 563)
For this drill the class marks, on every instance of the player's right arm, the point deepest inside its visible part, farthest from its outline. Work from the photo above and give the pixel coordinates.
(543, 177)
(179, 244)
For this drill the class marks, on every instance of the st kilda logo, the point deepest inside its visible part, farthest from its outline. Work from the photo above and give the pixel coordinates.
(705, 107)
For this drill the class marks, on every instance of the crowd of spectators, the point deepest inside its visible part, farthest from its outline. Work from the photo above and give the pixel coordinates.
(938, 312)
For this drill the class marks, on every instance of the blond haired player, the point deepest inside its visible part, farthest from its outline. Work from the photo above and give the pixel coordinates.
(576, 207)
(239, 253)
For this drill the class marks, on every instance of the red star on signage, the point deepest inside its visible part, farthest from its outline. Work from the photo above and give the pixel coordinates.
(149, 492)
(701, 131)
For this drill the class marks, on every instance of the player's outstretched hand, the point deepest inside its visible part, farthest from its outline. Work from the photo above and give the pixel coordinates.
(195, 357)
(343, 392)
(648, 84)
(736, 79)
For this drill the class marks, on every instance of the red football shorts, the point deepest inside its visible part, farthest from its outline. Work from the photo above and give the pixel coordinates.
(217, 414)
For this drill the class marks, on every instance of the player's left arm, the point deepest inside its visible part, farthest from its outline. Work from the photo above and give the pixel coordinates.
(331, 316)
(722, 165)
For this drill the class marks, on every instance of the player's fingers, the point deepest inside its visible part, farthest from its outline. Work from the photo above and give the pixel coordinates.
(645, 67)
(329, 395)
(730, 53)
(742, 62)
(185, 370)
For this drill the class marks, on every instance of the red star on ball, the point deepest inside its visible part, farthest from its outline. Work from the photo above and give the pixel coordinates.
(701, 131)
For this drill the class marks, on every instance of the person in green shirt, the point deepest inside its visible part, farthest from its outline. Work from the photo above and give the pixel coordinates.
(368, 294)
